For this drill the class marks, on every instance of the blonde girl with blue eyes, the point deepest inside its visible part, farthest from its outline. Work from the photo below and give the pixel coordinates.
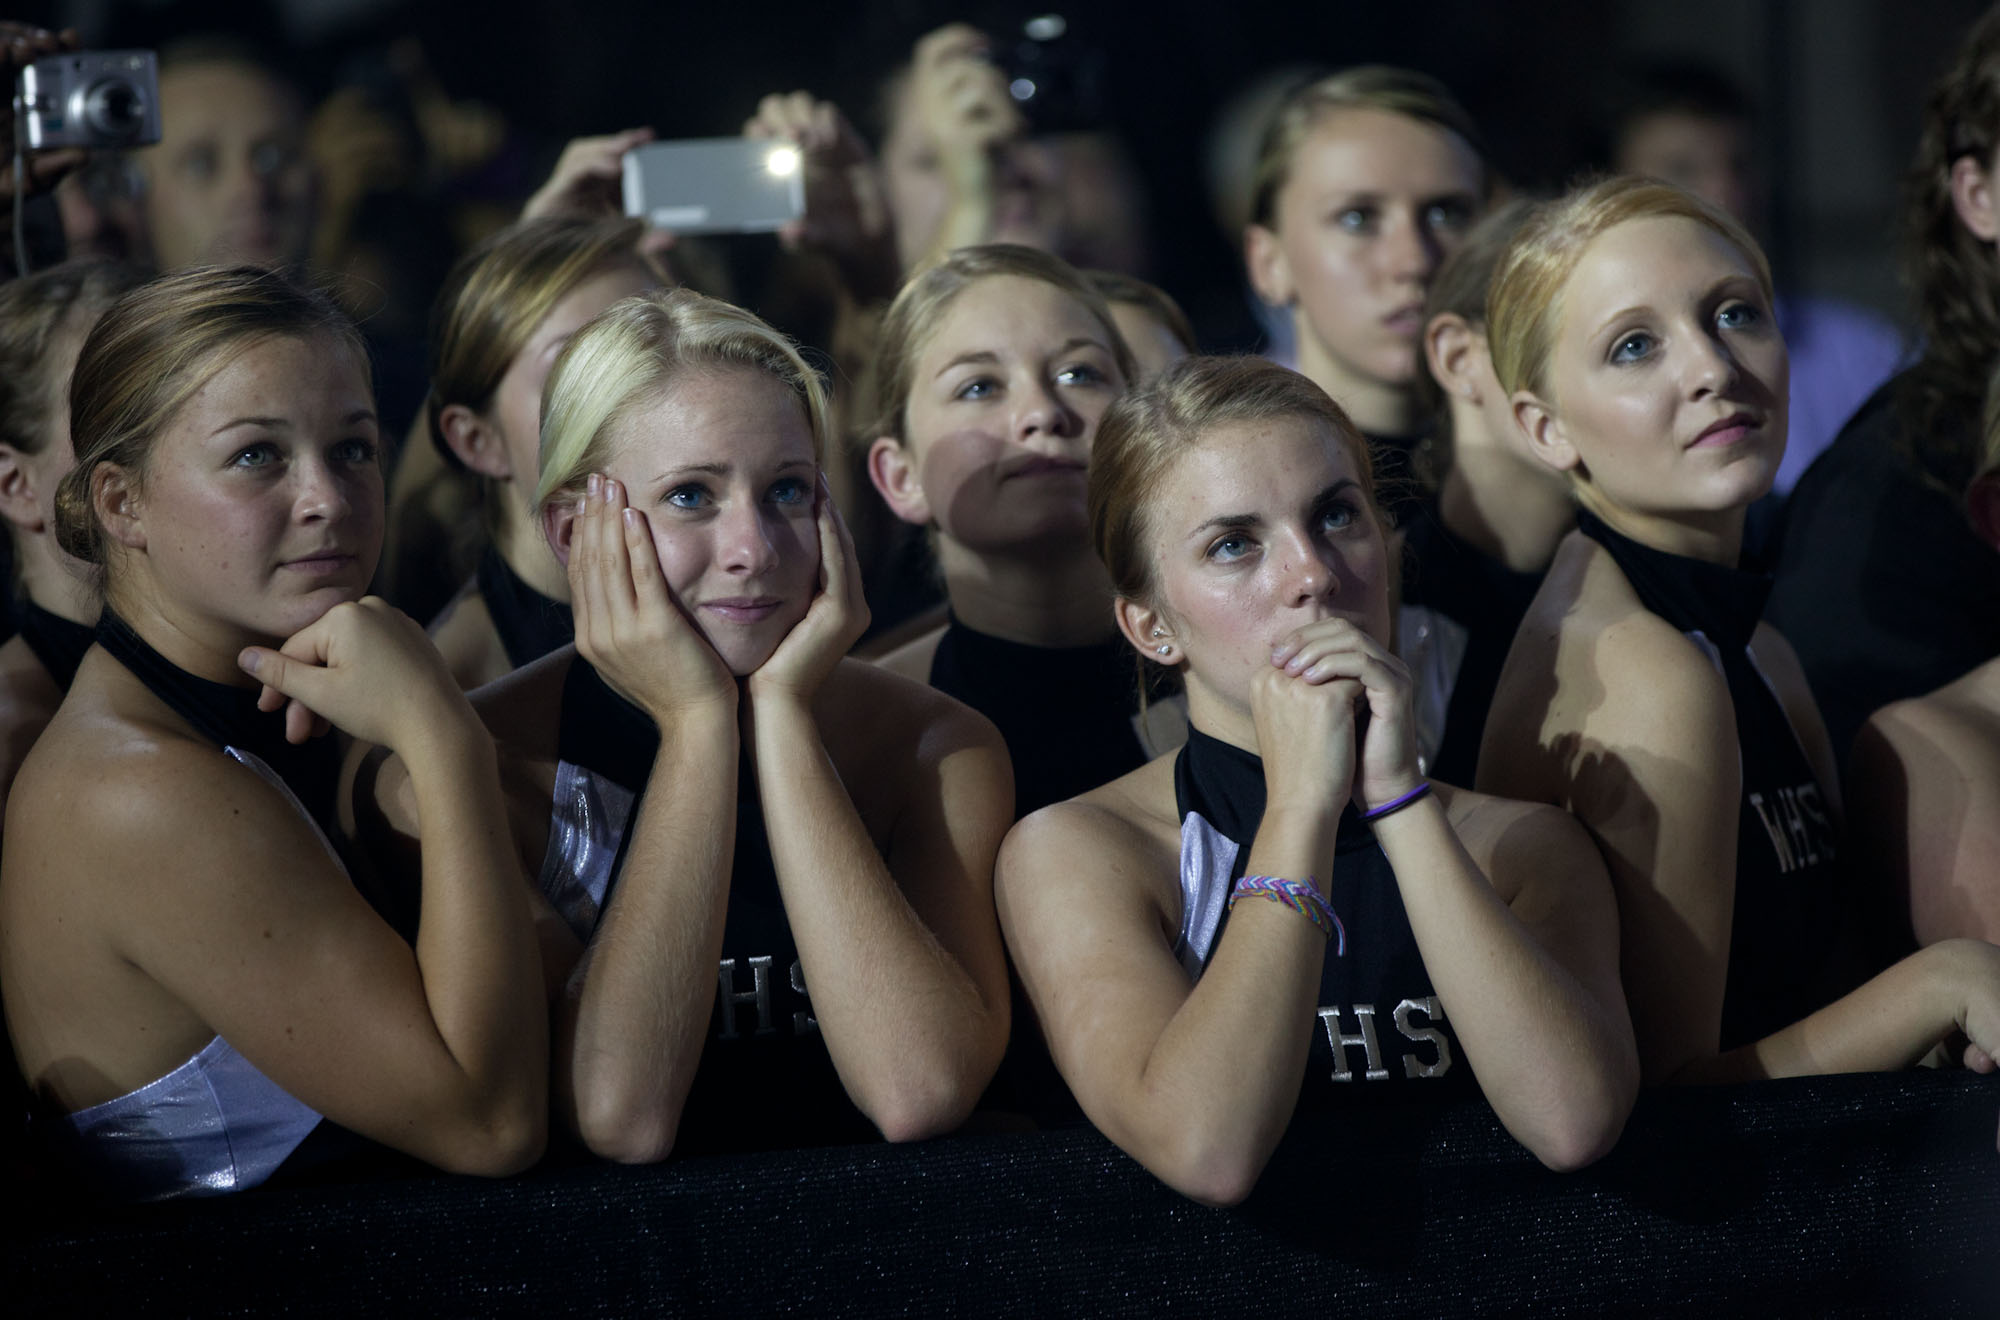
(765, 869)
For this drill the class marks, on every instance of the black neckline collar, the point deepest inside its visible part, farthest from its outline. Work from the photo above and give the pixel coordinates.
(1722, 603)
(530, 624)
(57, 642)
(1226, 785)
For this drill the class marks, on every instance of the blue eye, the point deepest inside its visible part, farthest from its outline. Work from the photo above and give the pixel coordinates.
(790, 490)
(1632, 348)
(1081, 373)
(1739, 316)
(256, 456)
(1229, 548)
(360, 452)
(1338, 516)
(691, 496)
(1356, 219)
(976, 389)
(1447, 217)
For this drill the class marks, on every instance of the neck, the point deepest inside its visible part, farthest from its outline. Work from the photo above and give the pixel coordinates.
(1376, 406)
(203, 647)
(48, 580)
(1506, 506)
(1221, 720)
(1715, 538)
(521, 545)
(1060, 600)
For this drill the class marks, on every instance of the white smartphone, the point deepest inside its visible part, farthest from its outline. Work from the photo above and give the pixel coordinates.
(715, 185)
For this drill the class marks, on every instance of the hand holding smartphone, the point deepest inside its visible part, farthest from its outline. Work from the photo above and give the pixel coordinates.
(715, 185)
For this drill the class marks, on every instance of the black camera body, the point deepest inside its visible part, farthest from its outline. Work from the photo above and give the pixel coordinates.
(91, 98)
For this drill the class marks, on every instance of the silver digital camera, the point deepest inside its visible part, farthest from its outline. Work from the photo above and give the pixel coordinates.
(91, 98)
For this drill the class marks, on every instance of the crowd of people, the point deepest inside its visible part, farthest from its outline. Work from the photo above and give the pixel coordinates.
(1555, 669)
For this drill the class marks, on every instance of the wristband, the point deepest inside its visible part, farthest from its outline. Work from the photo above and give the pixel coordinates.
(1301, 896)
(1391, 808)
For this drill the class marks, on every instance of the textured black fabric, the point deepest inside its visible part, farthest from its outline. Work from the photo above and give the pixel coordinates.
(1882, 587)
(1486, 598)
(1864, 1195)
(530, 624)
(1064, 712)
(765, 1078)
(1785, 933)
(228, 717)
(57, 642)
(1380, 1025)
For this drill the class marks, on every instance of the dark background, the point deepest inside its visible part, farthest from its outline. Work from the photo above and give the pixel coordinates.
(1839, 84)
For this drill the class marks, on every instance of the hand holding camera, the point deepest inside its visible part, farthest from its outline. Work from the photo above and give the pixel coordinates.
(21, 45)
(846, 217)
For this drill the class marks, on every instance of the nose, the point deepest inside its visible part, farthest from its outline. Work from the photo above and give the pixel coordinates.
(323, 494)
(746, 546)
(1712, 367)
(1410, 250)
(1044, 412)
(1309, 575)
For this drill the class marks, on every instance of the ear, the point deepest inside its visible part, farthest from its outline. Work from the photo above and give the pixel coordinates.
(1982, 505)
(474, 441)
(1973, 197)
(1147, 629)
(892, 469)
(1270, 272)
(558, 521)
(18, 504)
(115, 497)
(1545, 432)
(1450, 344)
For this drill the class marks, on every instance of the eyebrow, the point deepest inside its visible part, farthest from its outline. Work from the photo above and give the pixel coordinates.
(285, 423)
(986, 356)
(1236, 522)
(724, 469)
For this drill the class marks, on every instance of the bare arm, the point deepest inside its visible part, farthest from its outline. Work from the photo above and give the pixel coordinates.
(440, 1051)
(902, 958)
(634, 1016)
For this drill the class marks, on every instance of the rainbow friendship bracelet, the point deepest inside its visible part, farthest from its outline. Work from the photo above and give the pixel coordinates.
(1301, 896)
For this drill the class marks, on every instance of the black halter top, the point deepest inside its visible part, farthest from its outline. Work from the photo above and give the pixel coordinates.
(1382, 1035)
(1785, 930)
(1065, 712)
(530, 624)
(57, 642)
(765, 1079)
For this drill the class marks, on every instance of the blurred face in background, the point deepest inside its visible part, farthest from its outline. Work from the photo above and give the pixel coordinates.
(229, 181)
(1708, 156)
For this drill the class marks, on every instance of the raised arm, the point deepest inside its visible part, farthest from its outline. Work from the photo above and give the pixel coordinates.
(440, 1050)
(901, 955)
(632, 1023)
(1197, 1081)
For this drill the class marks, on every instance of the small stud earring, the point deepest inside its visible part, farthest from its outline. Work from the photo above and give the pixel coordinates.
(1163, 649)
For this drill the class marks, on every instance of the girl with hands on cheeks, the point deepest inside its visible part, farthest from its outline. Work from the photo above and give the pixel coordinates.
(773, 865)
(1284, 911)
(197, 992)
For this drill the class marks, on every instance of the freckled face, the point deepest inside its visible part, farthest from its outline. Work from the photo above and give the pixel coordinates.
(722, 467)
(1259, 529)
(1374, 201)
(1668, 376)
(1003, 407)
(517, 401)
(261, 505)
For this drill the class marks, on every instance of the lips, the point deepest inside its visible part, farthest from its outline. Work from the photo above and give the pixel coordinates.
(320, 563)
(1732, 429)
(741, 609)
(1041, 465)
(1406, 320)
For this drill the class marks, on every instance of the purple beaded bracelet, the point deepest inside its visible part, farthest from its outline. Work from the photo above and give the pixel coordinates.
(1301, 896)
(1391, 808)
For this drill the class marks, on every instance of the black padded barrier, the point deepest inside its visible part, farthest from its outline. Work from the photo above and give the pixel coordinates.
(1868, 1195)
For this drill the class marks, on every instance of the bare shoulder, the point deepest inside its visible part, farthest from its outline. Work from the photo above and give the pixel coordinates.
(912, 659)
(1127, 822)
(1957, 725)
(464, 635)
(874, 707)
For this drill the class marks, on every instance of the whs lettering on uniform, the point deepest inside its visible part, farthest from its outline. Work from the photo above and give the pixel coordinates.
(729, 1000)
(1797, 822)
(1420, 1022)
